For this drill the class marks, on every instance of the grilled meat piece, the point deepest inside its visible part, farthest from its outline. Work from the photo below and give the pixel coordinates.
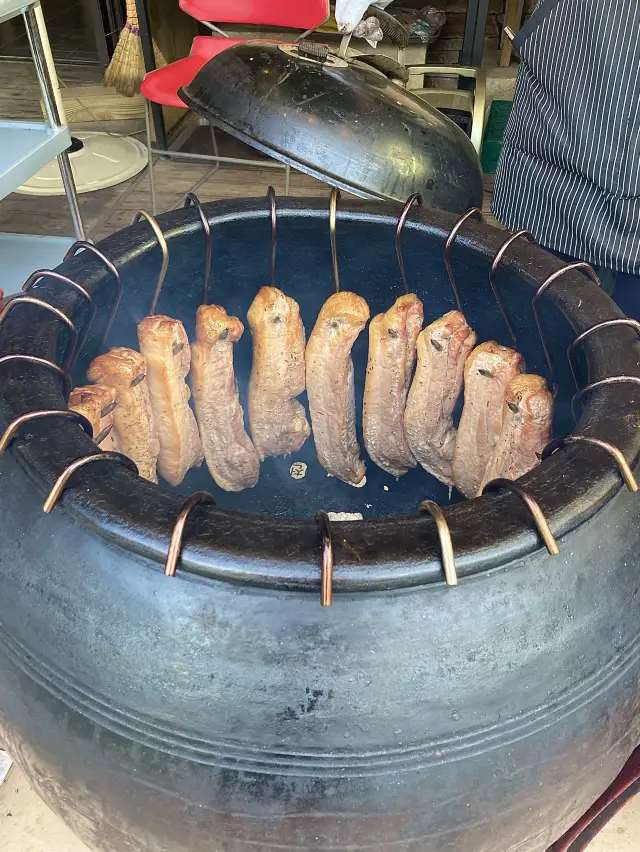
(330, 385)
(125, 371)
(278, 421)
(165, 346)
(229, 452)
(97, 403)
(487, 372)
(526, 428)
(443, 348)
(392, 354)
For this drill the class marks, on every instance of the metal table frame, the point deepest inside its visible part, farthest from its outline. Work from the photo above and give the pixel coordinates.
(470, 55)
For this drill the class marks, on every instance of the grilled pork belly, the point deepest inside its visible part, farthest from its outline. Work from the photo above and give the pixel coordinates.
(487, 372)
(330, 385)
(125, 371)
(165, 346)
(229, 452)
(278, 421)
(442, 349)
(526, 428)
(392, 354)
(97, 403)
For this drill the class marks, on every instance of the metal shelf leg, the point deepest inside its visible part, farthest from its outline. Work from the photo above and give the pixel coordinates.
(37, 36)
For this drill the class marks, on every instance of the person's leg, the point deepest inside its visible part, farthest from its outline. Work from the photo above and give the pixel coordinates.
(627, 294)
(608, 279)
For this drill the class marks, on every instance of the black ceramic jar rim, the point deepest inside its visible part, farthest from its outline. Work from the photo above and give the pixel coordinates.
(279, 553)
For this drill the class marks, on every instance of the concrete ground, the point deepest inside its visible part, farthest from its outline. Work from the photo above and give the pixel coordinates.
(27, 825)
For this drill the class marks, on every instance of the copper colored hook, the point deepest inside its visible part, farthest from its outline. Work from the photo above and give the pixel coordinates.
(333, 212)
(496, 292)
(416, 198)
(271, 195)
(446, 546)
(534, 510)
(13, 427)
(67, 473)
(33, 279)
(611, 449)
(31, 300)
(630, 323)
(192, 199)
(446, 255)
(42, 362)
(142, 214)
(326, 572)
(199, 498)
(85, 245)
(601, 383)
(541, 290)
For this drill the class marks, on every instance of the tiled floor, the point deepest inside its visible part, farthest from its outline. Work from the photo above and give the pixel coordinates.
(26, 825)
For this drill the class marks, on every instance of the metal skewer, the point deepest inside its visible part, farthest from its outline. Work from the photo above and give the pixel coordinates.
(13, 427)
(611, 449)
(192, 199)
(43, 362)
(200, 498)
(333, 211)
(534, 510)
(271, 195)
(601, 383)
(416, 198)
(67, 473)
(31, 300)
(446, 254)
(33, 279)
(446, 547)
(326, 571)
(630, 323)
(570, 267)
(87, 246)
(492, 272)
(142, 214)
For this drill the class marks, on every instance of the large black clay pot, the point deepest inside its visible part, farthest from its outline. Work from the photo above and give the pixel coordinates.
(225, 709)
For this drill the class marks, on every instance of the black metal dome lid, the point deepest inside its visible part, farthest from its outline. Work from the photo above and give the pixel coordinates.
(137, 517)
(341, 122)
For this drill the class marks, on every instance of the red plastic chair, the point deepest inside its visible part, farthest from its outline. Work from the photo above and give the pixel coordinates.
(161, 86)
(296, 14)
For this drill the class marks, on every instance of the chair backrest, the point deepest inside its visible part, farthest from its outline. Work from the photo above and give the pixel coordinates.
(296, 14)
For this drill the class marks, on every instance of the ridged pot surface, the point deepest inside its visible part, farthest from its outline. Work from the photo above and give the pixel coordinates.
(225, 709)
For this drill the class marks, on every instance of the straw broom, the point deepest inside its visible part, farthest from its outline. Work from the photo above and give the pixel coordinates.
(126, 69)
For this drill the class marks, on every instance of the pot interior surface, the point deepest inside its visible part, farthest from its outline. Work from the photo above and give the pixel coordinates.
(369, 266)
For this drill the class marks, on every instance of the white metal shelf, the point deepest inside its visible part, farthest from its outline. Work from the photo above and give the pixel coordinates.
(22, 254)
(11, 8)
(25, 148)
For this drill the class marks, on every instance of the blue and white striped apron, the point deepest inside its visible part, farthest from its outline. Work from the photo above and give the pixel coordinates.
(570, 166)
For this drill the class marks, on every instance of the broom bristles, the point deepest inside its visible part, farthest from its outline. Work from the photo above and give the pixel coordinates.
(126, 70)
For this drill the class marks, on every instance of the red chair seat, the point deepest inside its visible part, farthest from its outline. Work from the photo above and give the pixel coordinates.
(161, 86)
(297, 14)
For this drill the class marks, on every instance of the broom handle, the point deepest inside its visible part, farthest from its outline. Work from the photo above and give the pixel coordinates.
(48, 61)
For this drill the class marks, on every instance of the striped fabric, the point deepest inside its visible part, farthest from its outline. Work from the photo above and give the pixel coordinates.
(570, 165)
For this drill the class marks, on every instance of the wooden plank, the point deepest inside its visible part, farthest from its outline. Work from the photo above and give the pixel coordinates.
(512, 19)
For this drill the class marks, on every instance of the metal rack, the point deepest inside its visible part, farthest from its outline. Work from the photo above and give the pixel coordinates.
(326, 558)
(25, 147)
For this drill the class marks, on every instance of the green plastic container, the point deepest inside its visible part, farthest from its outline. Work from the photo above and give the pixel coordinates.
(494, 135)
